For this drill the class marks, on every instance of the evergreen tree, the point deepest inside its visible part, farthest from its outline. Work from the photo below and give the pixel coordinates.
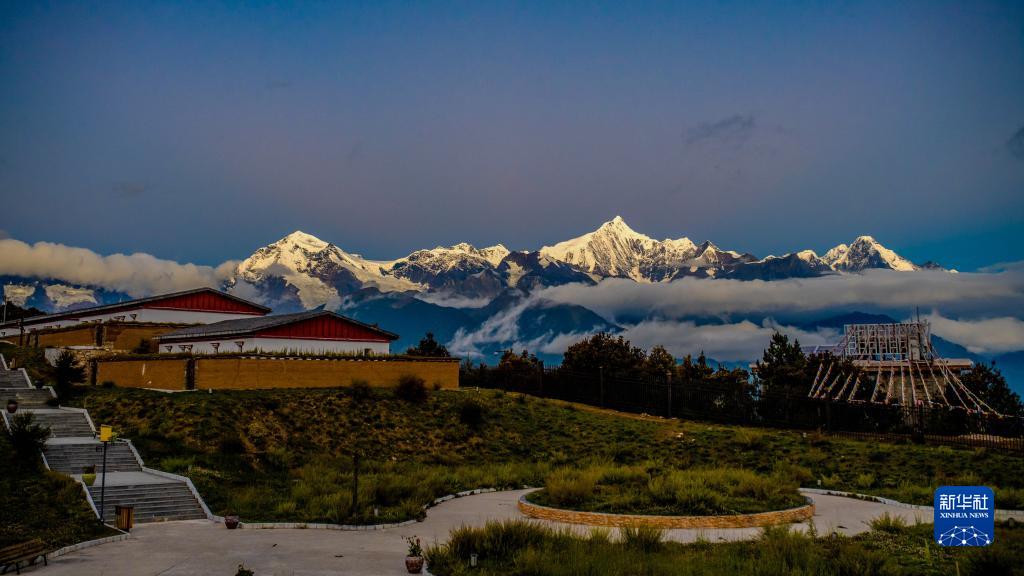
(659, 362)
(67, 371)
(604, 351)
(428, 347)
(694, 373)
(783, 368)
(990, 385)
(513, 362)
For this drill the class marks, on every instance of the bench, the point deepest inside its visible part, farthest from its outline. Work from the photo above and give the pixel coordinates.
(27, 552)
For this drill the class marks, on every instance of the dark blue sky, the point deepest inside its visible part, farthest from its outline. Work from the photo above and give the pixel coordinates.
(201, 132)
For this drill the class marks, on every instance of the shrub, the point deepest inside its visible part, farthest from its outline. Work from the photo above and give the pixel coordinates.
(67, 371)
(145, 346)
(497, 540)
(108, 384)
(568, 487)
(471, 413)
(411, 389)
(360, 389)
(28, 439)
(644, 539)
(888, 523)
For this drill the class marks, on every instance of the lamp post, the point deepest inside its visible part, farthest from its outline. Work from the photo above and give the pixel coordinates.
(106, 434)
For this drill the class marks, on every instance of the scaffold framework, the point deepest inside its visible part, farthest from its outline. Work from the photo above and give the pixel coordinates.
(893, 364)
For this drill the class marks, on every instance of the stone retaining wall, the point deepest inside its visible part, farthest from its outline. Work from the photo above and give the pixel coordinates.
(249, 373)
(789, 516)
(161, 374)
(258, 372)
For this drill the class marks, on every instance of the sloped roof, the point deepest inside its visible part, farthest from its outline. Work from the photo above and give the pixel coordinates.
(128, 304)
(246, 326)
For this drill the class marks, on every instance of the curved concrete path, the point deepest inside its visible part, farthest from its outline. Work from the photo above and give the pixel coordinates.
(202, 547)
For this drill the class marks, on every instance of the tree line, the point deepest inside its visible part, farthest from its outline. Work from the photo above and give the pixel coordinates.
(784, 369)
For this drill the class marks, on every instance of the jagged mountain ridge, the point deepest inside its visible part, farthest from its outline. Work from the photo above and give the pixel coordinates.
(301, 271)
(309, 272)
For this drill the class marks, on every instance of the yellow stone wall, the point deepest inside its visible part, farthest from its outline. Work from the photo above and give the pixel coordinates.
(250, 373)
(162, 374)
(255, 373)
(126, 337)
(77, 336)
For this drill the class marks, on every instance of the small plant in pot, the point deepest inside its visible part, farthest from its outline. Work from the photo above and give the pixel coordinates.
(414, 560)
(89, 475)
(231, 521)
(12, 405)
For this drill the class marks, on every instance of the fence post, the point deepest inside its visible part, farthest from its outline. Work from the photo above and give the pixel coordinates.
(668, 380)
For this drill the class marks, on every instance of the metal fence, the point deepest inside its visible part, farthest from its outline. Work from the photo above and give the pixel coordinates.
(742, 403)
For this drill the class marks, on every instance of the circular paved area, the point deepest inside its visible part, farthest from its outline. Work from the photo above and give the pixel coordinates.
(201, 547)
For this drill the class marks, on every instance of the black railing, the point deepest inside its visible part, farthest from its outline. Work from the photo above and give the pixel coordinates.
(741, 403)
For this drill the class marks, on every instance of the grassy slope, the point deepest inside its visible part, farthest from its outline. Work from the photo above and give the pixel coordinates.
(522, 548)
(35, 503)
(286, 454)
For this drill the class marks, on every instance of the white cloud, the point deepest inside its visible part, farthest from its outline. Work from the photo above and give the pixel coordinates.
(873, 290)
(452, 300)
(652, 314)
(500, 328)
(741, 341)
(985, 336)
(136, 274)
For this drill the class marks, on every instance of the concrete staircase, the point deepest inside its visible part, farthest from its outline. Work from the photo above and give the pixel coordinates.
(13, 379)
(73, 446)
(27, 397)
(63, 423)
(153, 502)
(72, 458)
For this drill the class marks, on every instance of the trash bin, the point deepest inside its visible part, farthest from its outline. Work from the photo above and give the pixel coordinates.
(125, 517)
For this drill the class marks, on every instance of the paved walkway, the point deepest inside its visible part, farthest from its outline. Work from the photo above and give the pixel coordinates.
(202, 547)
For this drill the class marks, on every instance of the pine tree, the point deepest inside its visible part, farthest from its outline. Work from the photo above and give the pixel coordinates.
(605, 352)
(990, 385)
(659, 363)
(783, 368)
(428, 347)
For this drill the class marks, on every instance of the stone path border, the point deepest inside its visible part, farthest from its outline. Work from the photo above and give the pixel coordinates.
(775, 517)
(352, 527)
(90, 543)
(1017, 515)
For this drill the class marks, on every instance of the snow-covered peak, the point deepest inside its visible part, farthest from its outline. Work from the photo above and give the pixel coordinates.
(681, 245)
(300, 239)
(866, 252)
(807, 255)
(614, 249)
(451, 256)
(316, 269)
(494, 254)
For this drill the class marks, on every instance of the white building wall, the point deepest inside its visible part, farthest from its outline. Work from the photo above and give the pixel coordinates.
(277, 345)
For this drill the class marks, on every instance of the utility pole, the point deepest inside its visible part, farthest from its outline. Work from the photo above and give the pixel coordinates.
(106, 434)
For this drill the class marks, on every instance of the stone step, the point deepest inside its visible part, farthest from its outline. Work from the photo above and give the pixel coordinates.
(13, 379)
(64, 424)
(72, 458)
(26, 397)
(152, 502)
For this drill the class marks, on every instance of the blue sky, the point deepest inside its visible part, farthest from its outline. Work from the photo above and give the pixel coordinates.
(198, 132)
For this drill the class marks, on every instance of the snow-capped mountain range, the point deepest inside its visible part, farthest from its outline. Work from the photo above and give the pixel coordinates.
(301, 271)
(312, 272)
